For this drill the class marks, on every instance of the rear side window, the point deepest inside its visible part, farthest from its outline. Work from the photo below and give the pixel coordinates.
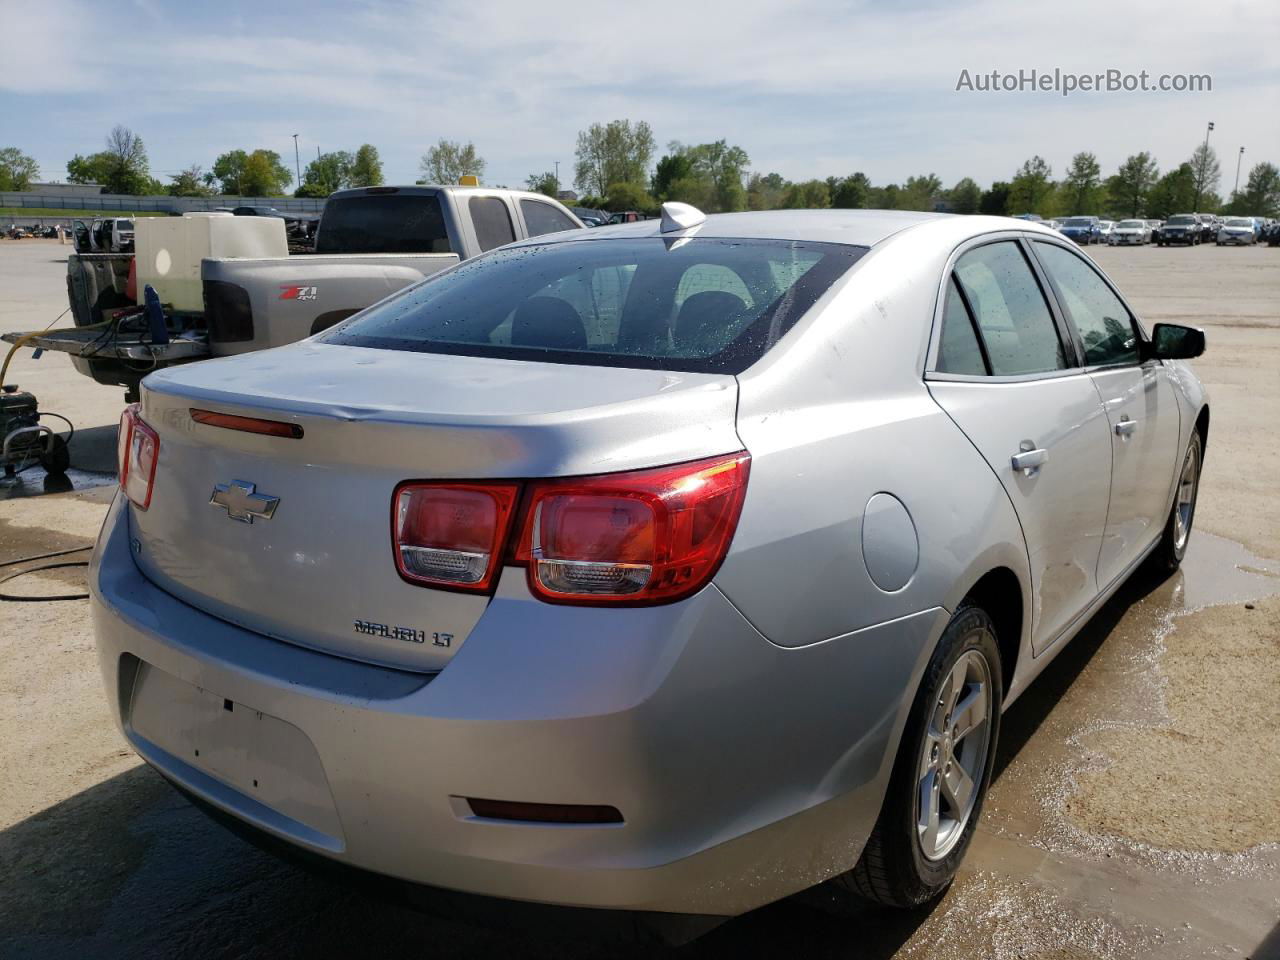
(703, 305)
(959, 350)
(383, 223)
(1010, 310)
(1104, 324)
(492, 222)
(542, 218)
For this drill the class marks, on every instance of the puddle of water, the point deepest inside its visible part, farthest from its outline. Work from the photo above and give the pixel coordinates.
(34, 482)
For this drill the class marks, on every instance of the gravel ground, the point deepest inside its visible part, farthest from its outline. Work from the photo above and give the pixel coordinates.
(1133, 814)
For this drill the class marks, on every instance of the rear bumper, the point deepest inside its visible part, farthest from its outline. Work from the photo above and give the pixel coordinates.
(744, 771)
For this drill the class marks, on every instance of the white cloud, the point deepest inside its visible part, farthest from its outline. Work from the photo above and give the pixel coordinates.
(809, 88)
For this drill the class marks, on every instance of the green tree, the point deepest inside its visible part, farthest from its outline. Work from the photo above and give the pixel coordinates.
(809, 195)
(672, 167)
(722, 166)
(189, 183)
(327, 173)
(1261, 194)
(258, 174)
(1129, 187)
(765, 191)
(450, 160)
(121, 168)
(920, 193)
(17, 170)
(850, 193)
(1205, 173)
(611, 153)
(1031, 190)
(1175, 192)
(888, 197)
(366, 168)
(965, 196)
(542, 183)
(629, 196)
(995, 202)
(1081, 189)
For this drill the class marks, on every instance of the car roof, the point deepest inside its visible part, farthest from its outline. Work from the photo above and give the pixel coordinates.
(861, 228)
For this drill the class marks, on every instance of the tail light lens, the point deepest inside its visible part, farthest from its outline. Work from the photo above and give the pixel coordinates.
(629, 539)
(137, 451)
(451, 534)
(648, 536)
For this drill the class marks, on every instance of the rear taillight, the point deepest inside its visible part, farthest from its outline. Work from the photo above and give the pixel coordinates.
(648, 536)
(451, 534)
(631, 539)
(137, 451)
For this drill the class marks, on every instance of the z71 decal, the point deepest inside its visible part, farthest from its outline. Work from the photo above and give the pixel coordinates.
(291, 292)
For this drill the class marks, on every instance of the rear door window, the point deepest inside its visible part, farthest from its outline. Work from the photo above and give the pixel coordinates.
(383, 223)
(540, 218)
(1098, 314)
(492, 221)
(1010, 309)
(959, 350)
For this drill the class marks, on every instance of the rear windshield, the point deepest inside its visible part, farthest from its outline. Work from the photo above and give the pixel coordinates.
(702, 305)
(124, 224)
(383, 223)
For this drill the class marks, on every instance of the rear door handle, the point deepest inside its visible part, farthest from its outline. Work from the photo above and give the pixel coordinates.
(1126, 426)
(1030, 458)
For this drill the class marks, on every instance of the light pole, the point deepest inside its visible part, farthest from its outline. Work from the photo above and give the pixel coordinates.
(1204, 167)
(297, 161)
(1236, 189)
(557, 179)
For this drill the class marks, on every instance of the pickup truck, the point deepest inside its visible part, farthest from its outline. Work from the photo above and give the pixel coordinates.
(371, 242)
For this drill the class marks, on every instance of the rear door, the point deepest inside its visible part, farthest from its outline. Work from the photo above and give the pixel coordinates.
(1007, 374)
(1141, 405)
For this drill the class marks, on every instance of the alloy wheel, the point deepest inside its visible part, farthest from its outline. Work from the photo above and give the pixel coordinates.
(954, 755)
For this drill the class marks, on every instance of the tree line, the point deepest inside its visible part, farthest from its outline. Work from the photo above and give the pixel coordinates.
(615, 169)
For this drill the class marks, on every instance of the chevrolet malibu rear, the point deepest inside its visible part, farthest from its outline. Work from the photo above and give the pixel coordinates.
(603, 571)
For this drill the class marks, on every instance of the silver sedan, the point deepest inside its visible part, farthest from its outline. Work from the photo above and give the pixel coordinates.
(674, 567)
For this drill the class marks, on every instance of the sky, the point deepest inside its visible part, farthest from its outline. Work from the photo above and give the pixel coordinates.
(808, 89)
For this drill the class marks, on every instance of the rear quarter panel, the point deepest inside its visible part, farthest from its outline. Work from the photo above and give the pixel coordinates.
(838, 413)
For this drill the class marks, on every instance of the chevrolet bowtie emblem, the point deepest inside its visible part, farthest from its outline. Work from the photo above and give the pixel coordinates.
(241, 503)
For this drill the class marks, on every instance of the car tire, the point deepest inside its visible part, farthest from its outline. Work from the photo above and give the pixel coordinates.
(1168, 554)
(904, 864)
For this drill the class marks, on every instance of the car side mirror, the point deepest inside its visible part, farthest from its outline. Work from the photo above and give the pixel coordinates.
(1172, 341)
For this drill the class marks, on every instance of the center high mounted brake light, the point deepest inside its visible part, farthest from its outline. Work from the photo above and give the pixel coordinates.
(623, 539)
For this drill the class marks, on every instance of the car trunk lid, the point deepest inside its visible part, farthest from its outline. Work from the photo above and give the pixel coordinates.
(319, 570)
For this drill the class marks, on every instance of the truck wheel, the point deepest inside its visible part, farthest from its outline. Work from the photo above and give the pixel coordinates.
(941, 773)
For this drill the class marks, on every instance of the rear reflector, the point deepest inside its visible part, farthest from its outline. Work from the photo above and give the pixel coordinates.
(137, 452)
(544, 812)
(229, 421)
(451, 534)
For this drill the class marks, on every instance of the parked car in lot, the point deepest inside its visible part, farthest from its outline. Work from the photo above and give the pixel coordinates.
(1104, 229)
(104, 235)
(1083, 230)
(299, 225)
(1180, 228)
(1130, 233)
(676, 566)
(1239, 231)
(591, 217)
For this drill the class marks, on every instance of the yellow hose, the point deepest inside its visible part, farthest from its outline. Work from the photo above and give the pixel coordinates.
(27, 337)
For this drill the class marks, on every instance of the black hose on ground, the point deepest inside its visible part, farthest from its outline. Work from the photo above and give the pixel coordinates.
(16, 598)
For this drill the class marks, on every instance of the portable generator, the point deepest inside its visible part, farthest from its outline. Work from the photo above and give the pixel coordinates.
(26, 439)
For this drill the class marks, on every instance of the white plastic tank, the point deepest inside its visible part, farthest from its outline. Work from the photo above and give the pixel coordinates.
(168, 250)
